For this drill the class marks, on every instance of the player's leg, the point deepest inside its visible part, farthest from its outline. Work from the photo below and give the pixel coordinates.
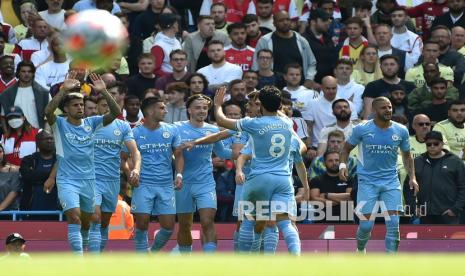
(270, 238)
(109, 200)
(185, 209)
(367, 197)
(237, 199)
(104, 228)
(165, 209)
(68, 195)
(85, 227)
(205, 199)
(392, 199)
(87, 202)
(142, 203)
(141, 241)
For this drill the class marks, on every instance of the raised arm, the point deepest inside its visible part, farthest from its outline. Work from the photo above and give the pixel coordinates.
(221, 119)
(99, 86)
(69, 84)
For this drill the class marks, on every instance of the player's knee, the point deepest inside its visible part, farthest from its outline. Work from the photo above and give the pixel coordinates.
(260, 226)
(366, 225)
(73, 216)
(206, 222)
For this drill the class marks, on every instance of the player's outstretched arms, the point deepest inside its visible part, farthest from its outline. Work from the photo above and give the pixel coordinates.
(209, 139)
(99, 86)
(221, 119)
(69, 84)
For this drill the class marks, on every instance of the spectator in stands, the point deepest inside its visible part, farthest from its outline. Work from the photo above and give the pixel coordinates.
(178, 61)
(238, 52)
(35, 171)
(355, 42)
(196, 43)
(19, 138)
(90, 106)
(132, 107)
(453, 129)
(219, 72)
(251, 81)
(5, 52)
(381, 87)
(27, 94)
(83, 5)
(149, 42)
(26, 47)
(10, 185)
(238, 92)
(54, 71)
(404, 39)
(198, 84)
(335, 142)
(254, 31)
(176, 93)
(266, 75)
(165, 42)
(301, 96)
(346, 88)
(342, 112)
(122, 221)
(145, 79)
(218, 12)
(362, 10)
(421, 125)
(300, 126)
(8, 32)
(367, 68)
(453, 17)
(15, 245)
(398, 99)
(118, 90)
(336, 27)
(449, 56)
(457, 41)
(438, 108)
(427, 11)
(430, 55)
(7, 72)
(441, 175)
(288, 47)
(330, 190)
(28, 8)
(54, 15)
(320, 42)
(383, 36)
(265, 14)
(420, 97)
(225, 190)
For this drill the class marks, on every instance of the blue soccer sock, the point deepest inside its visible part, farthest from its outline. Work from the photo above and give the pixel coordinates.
(185, 249)
(75, 238)
(364, 233)
(257, 242)
(162, 237)
(392, 238)
(209, 247)
(291, 236)
(236, 241)
(85, 239)
(94, 238)
(270, 240)
(141, 240)
(104, 236)
(246, 235)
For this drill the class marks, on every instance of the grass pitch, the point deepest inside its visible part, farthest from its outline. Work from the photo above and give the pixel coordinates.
(234, 265)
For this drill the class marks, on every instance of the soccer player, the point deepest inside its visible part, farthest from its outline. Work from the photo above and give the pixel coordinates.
(270, 179)
(75, 151)
(157, 142)
(198, 190)
(379, 141)
(108, 143)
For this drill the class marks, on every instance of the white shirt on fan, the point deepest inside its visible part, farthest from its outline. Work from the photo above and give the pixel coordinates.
(221, 75)
(56, 20)
(352, 92)
(301, 98)
(51, 73)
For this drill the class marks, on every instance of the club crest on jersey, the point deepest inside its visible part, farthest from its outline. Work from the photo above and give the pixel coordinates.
(63, 205)
(395, 137)
(166, 134)
(117, 132)
(88, 128)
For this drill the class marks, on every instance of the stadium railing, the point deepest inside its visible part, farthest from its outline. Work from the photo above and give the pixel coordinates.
(16, 215)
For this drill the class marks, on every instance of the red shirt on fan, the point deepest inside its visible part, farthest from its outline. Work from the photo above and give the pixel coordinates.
(16, 147)
(236, 9)
(427, 12)
(242, 57)
(4, 85)
(284, 5)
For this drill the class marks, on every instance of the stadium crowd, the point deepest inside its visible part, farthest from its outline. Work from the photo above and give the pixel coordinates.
(331, 60)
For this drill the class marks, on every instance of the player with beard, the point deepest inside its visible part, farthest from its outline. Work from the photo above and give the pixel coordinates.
(342, 112)
(238, 52)
(379, 141)
(453, 129)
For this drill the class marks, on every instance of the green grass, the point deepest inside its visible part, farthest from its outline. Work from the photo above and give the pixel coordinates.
(233, 265)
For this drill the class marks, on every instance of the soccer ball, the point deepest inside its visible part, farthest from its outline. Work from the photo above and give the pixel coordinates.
(94, 38)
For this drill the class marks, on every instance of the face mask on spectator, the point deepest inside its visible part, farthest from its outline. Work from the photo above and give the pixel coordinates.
(16, 122)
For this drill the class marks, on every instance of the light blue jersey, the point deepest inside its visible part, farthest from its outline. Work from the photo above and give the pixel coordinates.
(108, 143)
(378, 150)
(156, 149)
(271, 138)
(75, 148)
(236, 138)
(249, 151)
(198, 167)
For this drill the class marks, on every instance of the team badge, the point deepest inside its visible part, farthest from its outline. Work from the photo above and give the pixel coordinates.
(63, 205)
(133, 207)
(88, 128)
(166, 134)
(395, 137)
(117, 132)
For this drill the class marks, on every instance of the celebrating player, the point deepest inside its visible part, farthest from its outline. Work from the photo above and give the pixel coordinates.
(157, 142)
(270, 179)
(379, 140)
(75, 151)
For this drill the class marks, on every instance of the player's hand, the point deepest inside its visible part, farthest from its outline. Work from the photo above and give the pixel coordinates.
(134, 178)
(70, 82)
(414, 186)
(48, 185)
(188, 145)
(219, 96)
(449, 213)
(343, 174)
(240, 177)
(97, 83)
(178, 183)
(306, 194)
